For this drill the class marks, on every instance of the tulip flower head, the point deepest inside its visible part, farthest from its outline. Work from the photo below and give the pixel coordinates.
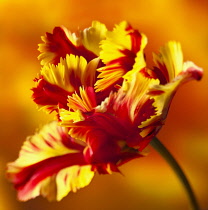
(109, 106)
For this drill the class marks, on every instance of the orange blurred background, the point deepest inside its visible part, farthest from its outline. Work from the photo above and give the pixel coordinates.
(148, 183)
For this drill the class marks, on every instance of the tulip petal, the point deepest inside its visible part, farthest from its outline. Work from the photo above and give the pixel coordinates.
(86, 102)
(92, 36)
(72, 179)
(49, 162)
(119, 51)
(58, 82)
(163, 94)
(134, 95)
(71, 73)
(169, 61)
(172, 72)
(49, 97)
(58, 44)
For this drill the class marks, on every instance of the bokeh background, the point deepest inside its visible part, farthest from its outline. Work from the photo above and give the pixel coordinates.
(148, 183)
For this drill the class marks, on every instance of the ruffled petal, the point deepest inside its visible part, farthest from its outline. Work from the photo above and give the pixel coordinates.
(58, 44)
(86, 102)
(119, 42)
(79, 106)
(71, 73)
(172, 72)
(169, 62)
(49, 97)
(119, 51)
(132, 105)
(109, 75)
(50, 164)
(107, 140)
(163, 94)
(58, 82)
(134, 96)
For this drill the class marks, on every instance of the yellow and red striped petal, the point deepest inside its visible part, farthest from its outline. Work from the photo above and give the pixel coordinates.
(134, 95)
(49, 97)
(58, 44)
(119, 52)
(107, 138)
(172, 72)
(71, 73)
(58, 82)
(169, 62)
(86, 102)
(109, 75)
(50, 164)
(116, 41)
(163, 94)
(79, 110)
(79, 107)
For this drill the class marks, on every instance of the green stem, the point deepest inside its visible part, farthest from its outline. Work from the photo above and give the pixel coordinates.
(157, 145)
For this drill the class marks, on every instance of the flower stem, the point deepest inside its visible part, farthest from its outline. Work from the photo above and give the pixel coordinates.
(157, 145)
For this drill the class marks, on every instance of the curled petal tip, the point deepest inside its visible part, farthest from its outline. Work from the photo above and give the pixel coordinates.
(194, 70)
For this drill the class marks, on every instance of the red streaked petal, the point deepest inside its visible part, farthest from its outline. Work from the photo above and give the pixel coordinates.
(58, 82)
(134, 95)
(86, 102)
(163, 94)
(60, 43)
(132, 105)
(47, 158)
(107, 137)
(169, 61)
(71, 73)
(64, 75)
(119, 52)
(118, 42)
(48, 96)
(28, 180)
(109, 76)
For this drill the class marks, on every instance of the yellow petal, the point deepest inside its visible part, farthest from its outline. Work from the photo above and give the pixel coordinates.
(115, 41)
(69, 117)
(92, 36)
(47, 188)
(72, 179)
(169, 60)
